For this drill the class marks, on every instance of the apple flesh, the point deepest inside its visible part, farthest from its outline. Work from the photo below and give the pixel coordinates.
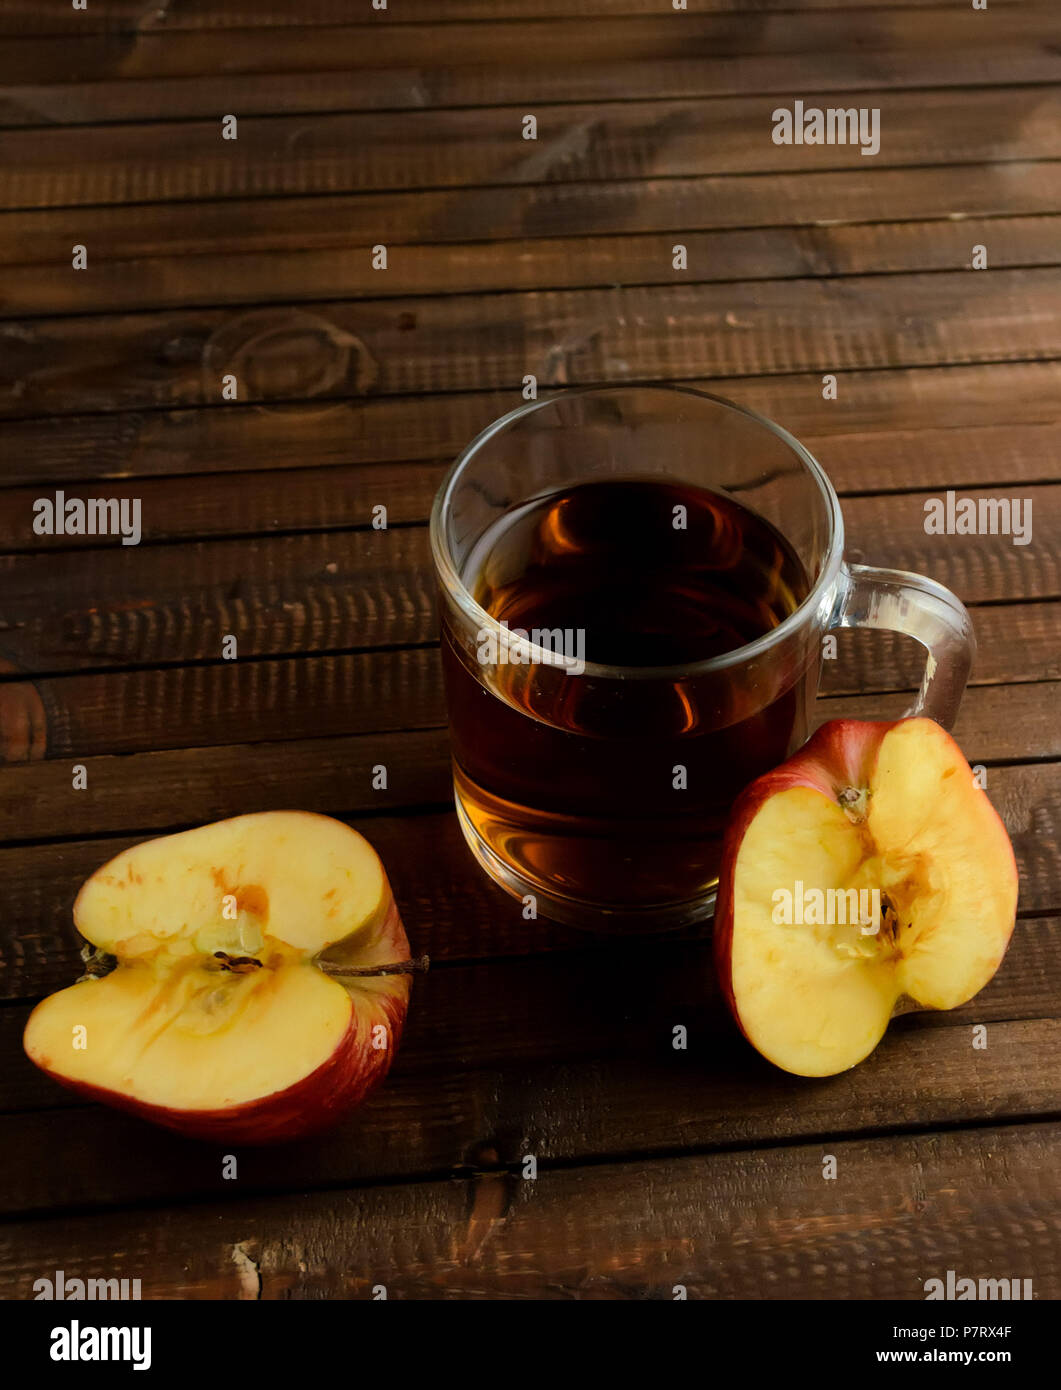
(863, 806)
(220, 1019)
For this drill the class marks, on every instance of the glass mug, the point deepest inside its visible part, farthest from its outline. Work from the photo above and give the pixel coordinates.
(601, 789)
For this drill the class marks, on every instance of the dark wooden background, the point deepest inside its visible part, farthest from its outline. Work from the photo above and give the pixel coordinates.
(357, 387)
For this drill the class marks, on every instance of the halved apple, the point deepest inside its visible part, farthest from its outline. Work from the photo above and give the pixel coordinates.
(220, 1018)
(877, 816)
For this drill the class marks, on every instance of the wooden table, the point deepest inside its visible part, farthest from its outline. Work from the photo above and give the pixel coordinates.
(253, 257)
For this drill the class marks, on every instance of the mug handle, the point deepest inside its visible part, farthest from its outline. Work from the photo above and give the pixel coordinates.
(897, 601)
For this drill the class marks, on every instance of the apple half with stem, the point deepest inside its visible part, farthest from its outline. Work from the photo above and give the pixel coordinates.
(867, 876)
(249, 983)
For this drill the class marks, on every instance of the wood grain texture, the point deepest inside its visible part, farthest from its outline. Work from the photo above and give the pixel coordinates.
(545, 264)
(131, 17)
(375, 43)
(341, 497)
(333, 153)
(342, 591)
(968, 425)
(73, 717)
(997, 723)
(250, 226)
(180, 75)
(731, 1225)
(565, 337)
(717, 1094)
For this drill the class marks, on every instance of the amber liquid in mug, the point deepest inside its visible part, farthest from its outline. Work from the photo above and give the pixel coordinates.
(575, 781)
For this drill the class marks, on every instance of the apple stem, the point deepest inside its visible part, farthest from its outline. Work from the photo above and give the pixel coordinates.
(400, 967)
(855, 803)
(97, 963)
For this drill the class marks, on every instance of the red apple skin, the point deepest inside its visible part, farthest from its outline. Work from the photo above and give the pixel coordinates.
(322, 1098)
(843, 753)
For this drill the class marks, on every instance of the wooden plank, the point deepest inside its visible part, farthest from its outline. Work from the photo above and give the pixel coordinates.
(722, 1094)
(840, 75)
(333, 153)
(375, 44)
(971, 425)
(983, 727)
(254, 225)
(332, 774)
(890, 530)
(196, 706)
(327, 499)
(344, 591)
(997, 723)
(22, 17)
(726, 1225)
(169, 76)
(451, 910)
(1015, 642)
(564, 337)
(308, 593)
(542, 264)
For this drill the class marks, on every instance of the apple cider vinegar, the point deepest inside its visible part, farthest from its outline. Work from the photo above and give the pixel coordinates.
(609, 776)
